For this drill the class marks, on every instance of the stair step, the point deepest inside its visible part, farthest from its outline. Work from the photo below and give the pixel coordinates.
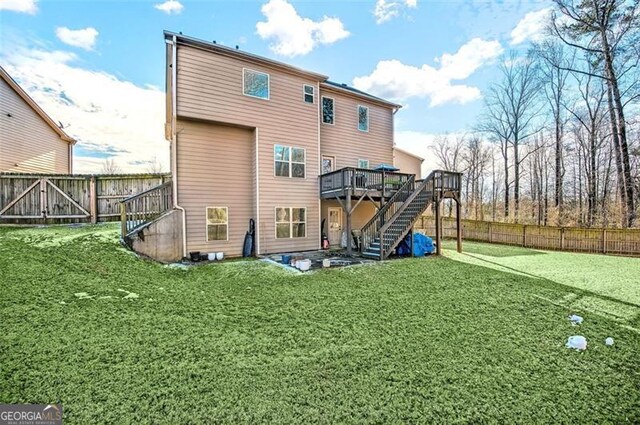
(373, 255)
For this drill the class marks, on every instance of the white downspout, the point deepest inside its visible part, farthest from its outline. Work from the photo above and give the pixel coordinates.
(174, 142)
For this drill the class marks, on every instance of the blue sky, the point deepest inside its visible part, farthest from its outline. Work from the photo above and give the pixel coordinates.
(80, 59)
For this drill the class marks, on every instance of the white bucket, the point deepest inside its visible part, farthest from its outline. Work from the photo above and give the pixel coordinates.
(326, 263)
(219, 255)
(211, 256)
(304, 265)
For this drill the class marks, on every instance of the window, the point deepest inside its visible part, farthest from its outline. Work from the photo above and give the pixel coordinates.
(308, 93)
(363, 118)
(327, 110)
(291, 223)
(289, 161)
(255, 84)
(217, 224)
(363, 163)
(328, 164)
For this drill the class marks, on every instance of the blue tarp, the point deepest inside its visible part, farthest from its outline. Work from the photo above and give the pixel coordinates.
(422, 245)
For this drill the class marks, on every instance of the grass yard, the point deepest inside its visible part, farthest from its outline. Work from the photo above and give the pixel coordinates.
(468, 338)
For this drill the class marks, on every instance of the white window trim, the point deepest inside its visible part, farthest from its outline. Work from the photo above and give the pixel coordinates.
(291, 162)
(368, 164)
(358, 118)
(313, 94)
(291, 222)
(322, 110)
(207, 224)
(268, 84)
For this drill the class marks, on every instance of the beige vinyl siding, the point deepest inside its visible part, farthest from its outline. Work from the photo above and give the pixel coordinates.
(209, 87)
(408, 164)
(215, 170)
(343, 139)
(27, 143)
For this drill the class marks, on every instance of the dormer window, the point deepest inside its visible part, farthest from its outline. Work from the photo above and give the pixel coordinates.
(255, 84)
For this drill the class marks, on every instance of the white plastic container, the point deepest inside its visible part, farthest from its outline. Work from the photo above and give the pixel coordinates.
(304, 265)
(211, 256)
(219, 256)
(326, 263)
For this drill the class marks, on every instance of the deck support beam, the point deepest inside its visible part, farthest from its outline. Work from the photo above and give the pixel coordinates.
(348, 211)
(436, 208)
(458, 224)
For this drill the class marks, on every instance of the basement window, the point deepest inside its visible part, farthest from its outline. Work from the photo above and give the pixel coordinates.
(291, 223)
(255, 83)
(217, 224)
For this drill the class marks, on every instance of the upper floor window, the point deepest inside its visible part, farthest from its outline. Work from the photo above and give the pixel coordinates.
(363, 163)
(327, 110)
(289, 161)
(255, 84)
(217, 224)
(308, 93)
(363, 118)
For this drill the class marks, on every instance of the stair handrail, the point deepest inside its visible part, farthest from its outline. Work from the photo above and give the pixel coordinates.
(370, 229)
(143, 207)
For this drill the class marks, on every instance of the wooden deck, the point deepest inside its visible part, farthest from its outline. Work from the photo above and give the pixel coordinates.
(359, 182)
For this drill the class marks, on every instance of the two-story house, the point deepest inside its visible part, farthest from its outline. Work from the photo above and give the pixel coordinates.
(30, 141)
(301, 156)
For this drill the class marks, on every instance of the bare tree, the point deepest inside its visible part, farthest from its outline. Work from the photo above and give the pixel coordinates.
(511, 110)
(109, 166)
(607, 30)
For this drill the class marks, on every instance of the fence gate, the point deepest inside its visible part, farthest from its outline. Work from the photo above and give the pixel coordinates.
(42, 199)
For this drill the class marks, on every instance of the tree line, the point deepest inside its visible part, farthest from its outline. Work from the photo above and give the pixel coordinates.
(558, 140)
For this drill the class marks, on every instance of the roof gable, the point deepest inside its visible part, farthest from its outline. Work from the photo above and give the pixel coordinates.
(33, 105)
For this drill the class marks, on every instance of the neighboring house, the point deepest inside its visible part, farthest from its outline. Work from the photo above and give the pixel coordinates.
(253, 138)
(407, 162)
(30, 141)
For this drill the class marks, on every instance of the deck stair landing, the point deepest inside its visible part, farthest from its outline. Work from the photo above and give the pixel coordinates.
(384, 232)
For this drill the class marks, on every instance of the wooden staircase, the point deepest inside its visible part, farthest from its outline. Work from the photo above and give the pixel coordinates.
(382, 234)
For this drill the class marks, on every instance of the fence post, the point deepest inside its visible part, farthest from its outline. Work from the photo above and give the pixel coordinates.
(604, 241)
(490, 233)
(123, 220)
(562, 238)
(524, 235)
(43, 198)
(93, 199)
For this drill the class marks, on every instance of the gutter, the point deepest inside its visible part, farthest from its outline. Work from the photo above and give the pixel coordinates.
(174, 142)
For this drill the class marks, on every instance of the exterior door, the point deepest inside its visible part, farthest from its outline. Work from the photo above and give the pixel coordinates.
(335, 226)
(328, 164)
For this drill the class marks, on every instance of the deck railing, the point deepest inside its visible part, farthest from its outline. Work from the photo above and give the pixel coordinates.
(145, 206)
(360, 179)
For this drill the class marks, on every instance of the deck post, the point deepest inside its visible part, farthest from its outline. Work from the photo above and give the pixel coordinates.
(348, 212)
(458, 225)
(436, 206)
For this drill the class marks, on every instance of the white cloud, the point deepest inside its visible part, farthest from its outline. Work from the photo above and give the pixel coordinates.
(170, 6)
(394, 80)
(109, 117)
(293, 34)
(531, 27)
(84, 38)
(386, 10)
(22, 6)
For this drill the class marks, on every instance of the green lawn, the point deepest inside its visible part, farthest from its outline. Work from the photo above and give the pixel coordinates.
(477, 337)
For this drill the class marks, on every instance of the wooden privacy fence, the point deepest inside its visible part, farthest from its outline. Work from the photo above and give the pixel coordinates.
(594, 240)
(60, 198)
